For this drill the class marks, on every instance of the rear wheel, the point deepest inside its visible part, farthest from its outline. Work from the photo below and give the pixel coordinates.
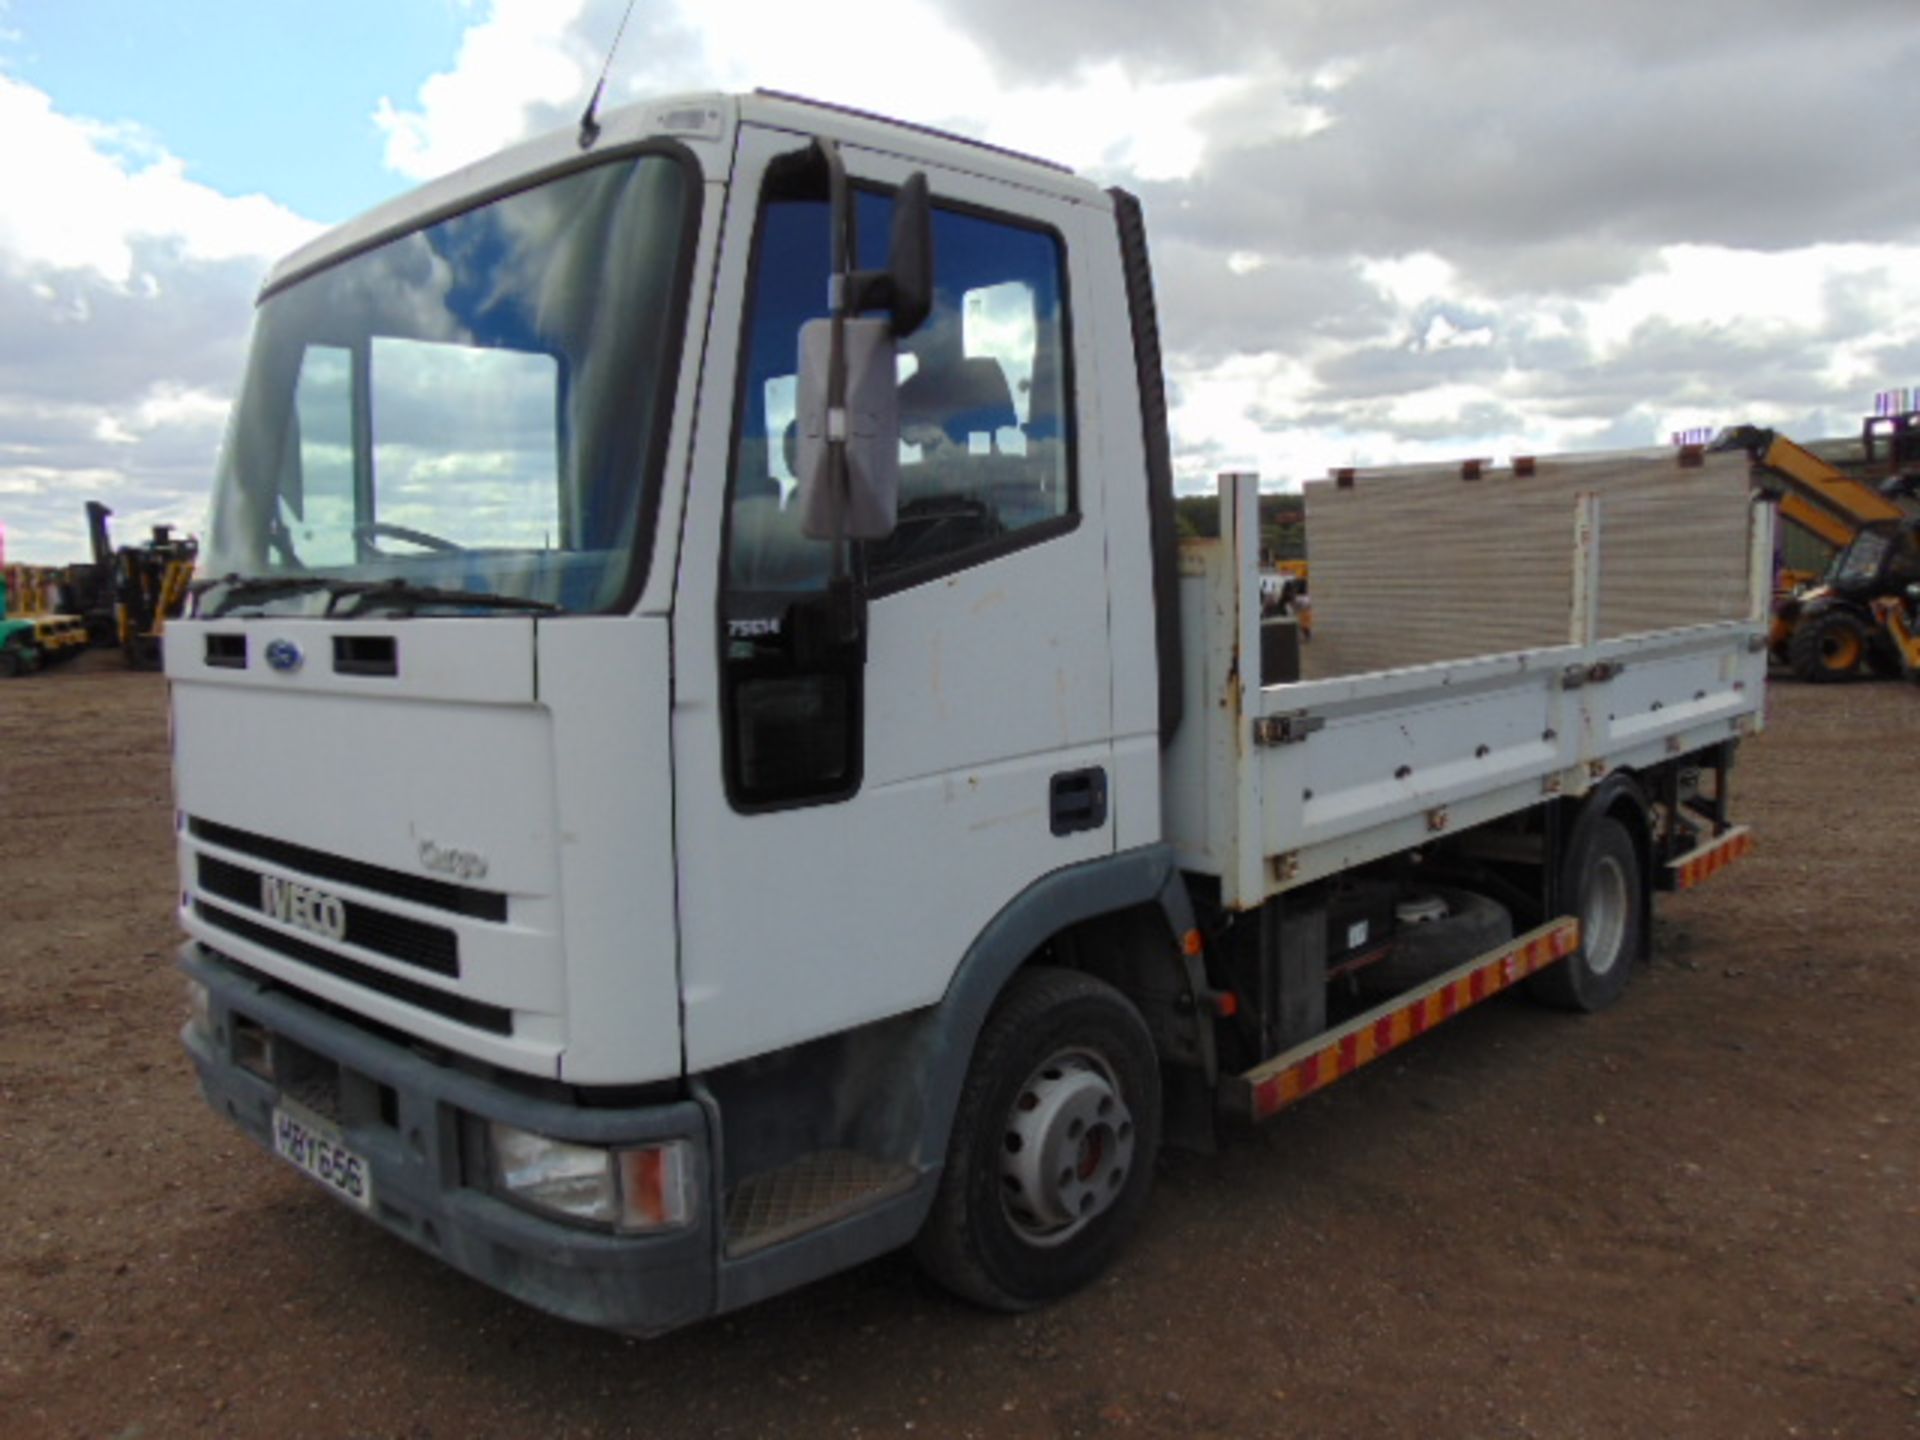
(1828, 645)
(1051, 1156)
(1604, 877)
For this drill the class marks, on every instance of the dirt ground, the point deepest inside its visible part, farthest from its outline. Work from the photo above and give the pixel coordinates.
(1697, 1214)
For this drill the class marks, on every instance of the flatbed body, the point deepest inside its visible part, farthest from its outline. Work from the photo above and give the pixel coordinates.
(1274, 786)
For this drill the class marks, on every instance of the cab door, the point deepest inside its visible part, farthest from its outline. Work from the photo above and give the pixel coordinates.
(846, 829)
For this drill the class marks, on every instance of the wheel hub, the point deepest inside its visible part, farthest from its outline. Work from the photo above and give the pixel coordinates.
(1603, 926)
(1067, 1148)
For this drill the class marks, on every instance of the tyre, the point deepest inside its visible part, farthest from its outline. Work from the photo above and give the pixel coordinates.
(1827, 645)
(1470, 925)
(1051, 1157)
(16, 660)
(1604, 876)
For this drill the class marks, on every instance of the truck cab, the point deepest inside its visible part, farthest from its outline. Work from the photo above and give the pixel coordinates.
(507, 797)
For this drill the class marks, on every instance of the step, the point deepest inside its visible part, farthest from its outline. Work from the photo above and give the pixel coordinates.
(809, 1192)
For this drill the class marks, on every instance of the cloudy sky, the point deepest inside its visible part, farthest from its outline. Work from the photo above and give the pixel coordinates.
(1385, 230)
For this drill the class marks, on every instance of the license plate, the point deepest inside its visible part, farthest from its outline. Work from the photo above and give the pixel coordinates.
(312, 1145)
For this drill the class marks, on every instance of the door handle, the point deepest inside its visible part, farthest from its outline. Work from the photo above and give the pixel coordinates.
(1077, 800)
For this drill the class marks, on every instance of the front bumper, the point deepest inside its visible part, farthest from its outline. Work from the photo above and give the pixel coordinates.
(407, 1115)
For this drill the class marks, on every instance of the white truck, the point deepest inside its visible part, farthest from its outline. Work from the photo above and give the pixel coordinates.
(701, 758)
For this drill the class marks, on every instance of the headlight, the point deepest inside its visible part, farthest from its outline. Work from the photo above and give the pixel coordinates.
(647, 1188)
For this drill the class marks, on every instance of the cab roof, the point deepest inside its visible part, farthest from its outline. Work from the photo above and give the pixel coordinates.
(706, 125)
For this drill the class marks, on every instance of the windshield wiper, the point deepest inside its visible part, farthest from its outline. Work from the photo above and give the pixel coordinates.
(405, 596)
(243, 589)
(367, 595)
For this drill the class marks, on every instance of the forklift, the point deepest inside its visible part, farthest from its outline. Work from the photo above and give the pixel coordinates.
(1825, 624)
(1847, 621)
(133, 591)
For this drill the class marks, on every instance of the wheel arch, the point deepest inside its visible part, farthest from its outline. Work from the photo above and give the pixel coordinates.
(1084, 909)
(901, 1079)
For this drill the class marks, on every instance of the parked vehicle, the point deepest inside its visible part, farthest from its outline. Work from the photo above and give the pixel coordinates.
(20, 652)
(1826, 625)
(1899, 616)
(32, 632)
(1835, 629)
(683, 790)
(128, 595)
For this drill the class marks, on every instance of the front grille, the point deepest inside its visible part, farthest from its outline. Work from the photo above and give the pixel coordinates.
(476, 1013)
(439, 894)
(431, 947)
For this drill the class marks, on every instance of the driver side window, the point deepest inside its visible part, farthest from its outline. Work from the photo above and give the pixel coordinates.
(986, 466)
(985, 415)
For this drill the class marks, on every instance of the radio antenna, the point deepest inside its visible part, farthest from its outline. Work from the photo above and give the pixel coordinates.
(589, 125)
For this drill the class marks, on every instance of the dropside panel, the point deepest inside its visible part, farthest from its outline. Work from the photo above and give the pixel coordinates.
(1279, 785)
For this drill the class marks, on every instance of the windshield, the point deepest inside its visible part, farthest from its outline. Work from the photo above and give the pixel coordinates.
(1859, 563)
(478, 406)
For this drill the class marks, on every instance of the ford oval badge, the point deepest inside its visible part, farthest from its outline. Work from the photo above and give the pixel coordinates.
(284, 656)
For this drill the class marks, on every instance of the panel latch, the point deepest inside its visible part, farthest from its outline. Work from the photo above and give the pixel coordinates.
(1286, 729)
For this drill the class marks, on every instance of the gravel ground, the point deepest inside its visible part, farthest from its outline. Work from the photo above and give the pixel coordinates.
(1697, 1214)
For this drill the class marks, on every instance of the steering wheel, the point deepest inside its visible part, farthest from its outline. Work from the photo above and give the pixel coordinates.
(375, 528)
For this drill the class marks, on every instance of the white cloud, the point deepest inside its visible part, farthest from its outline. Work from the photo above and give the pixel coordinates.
(1702, 286)
(126, 289)
(1411, 280)
(1358, 256)
(530, 64)
(1443, 334)
(1373, 242)
(525, 54)
(79, 194)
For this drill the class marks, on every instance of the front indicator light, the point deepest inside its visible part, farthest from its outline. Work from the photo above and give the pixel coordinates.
(656, 1185)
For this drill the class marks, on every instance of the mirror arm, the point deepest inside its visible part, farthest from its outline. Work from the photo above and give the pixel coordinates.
(869, 290)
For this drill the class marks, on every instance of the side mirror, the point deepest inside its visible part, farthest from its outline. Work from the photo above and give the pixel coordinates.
(847, 406)
(905, 288)
(868, 428)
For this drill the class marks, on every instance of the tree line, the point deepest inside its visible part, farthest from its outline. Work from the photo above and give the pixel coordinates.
(1283, 523)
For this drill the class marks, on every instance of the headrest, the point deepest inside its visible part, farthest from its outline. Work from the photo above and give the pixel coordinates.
(960, 397)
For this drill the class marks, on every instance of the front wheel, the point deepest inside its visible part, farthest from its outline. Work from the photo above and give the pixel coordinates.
(1051, 1157)
(1827, 645)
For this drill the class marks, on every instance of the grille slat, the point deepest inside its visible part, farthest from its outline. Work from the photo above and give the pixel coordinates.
(476, 1013)
(439, 894)
(412, 942)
